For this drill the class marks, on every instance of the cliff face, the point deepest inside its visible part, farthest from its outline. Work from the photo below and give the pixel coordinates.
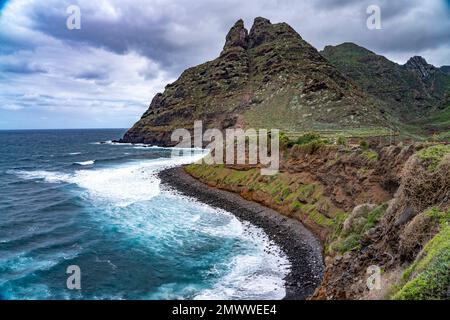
(266, 78)
(386, 207)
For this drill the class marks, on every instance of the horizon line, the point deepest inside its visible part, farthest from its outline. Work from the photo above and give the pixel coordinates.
(36, 129)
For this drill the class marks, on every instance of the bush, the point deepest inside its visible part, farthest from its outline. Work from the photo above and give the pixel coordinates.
(364, 145)
(352, 241)
(307, 138)
(312, 146)
(285, 141)
(433, 155)
(341, 140)
(370, 155)
(352, 229)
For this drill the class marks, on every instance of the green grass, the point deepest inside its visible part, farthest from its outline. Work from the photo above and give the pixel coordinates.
(428, 278)
(352, 241)
(363, 132)
(370, 155)
(341, 140)
(441, 216)
(440, 120)
(283, 189)
(342, 243)
(443, 136)
(373, 217)
(309, 142)
(364, 145)
(432, 156)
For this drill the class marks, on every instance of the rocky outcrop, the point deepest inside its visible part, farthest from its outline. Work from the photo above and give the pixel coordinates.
(266, 78)
(237, 37)
(420, 66)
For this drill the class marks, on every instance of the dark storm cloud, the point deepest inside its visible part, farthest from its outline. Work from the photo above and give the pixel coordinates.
(119, 37)
(173, 37)
(177, 34)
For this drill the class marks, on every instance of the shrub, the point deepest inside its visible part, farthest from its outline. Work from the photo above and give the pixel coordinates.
(432, 156)
(370, 155)
(364, 145)
(341, 140)
(352, 241)
(312, 146)
(285, 141)
(349, 232)
(307, 138)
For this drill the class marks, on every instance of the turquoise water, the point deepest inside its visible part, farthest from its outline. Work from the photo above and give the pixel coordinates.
(66, 199)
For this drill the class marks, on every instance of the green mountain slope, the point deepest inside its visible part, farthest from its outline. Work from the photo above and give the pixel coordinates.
(417, 93)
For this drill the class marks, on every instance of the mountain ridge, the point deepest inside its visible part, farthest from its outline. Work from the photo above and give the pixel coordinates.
(268, 77)
(411, 91)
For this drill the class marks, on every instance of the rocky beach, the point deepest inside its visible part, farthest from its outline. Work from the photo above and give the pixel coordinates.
(303, 249)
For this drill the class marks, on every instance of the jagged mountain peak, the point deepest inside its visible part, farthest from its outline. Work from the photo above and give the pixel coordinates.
(417, 60)
(420, 66)
(263, 31)
(237, 36)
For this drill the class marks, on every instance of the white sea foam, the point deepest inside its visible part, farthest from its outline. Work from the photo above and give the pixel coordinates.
(257, 275)
(143, 146)
(21, 265)
(122, 185)
(47, 176)
(74, 153)
(173, 221)
(86, 163)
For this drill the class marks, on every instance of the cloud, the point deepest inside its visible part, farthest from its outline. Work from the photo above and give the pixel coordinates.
(12, 107)
(127, 51)
(24, 67)
(180, 33)
(92, 75)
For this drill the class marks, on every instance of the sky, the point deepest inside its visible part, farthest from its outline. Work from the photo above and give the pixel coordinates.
(105, 74)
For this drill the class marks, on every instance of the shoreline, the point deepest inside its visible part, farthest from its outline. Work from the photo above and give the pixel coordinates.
(303, 249)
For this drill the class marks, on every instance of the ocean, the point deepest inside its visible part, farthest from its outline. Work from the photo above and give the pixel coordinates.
(68, 199)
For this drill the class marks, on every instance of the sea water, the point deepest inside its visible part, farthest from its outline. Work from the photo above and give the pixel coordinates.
(67, 199)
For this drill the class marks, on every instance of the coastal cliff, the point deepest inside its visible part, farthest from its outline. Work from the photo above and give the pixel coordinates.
(383, 206)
